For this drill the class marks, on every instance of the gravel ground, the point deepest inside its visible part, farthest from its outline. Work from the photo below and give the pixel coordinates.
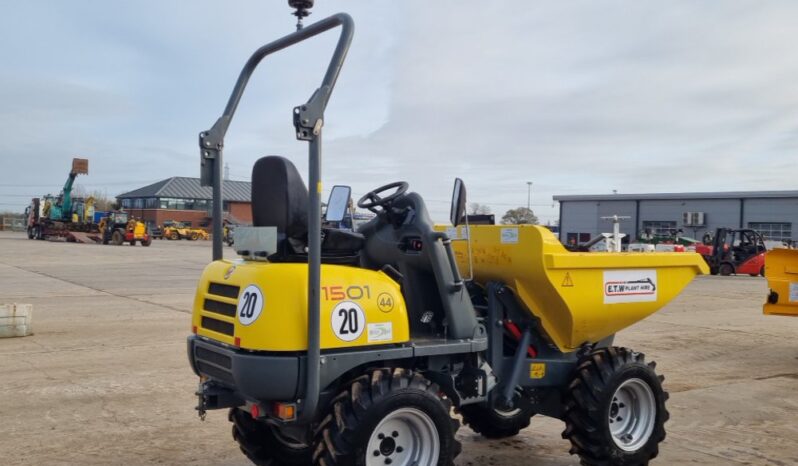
(105, 379)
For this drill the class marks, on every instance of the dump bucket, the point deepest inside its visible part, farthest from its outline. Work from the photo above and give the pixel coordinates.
(578, 297)
(781, 270)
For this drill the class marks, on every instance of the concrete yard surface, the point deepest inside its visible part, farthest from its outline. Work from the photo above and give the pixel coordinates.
(105, 380)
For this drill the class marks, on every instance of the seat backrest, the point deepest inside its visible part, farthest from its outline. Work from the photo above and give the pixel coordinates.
(280, 199)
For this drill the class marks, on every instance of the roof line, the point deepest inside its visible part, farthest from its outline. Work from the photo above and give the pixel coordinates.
(679, 196)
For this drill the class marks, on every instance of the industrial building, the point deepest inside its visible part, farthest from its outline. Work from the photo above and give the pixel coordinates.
(772, 213)
(183, 199)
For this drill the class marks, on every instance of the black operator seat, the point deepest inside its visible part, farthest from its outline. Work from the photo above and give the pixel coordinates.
(280, 199)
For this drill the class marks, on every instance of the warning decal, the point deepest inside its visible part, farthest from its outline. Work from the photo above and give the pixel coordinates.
(537, 370)
(567, 281)
(630, 286)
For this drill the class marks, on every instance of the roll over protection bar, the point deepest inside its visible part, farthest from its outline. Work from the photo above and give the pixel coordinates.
(308, 122)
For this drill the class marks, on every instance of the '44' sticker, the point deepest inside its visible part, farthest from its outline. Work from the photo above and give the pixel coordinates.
(348, 320)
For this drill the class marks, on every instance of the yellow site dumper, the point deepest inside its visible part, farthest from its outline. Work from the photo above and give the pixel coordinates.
(338, 347)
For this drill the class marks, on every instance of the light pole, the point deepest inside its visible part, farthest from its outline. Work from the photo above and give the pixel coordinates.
(528, 195)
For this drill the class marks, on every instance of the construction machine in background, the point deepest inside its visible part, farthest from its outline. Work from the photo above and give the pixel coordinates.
(781, 270)
(338, 347)
(118, 228)
(58, 216)
(180, 230)
(735, 251)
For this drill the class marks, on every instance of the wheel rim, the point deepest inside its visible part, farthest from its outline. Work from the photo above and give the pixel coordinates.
(404, 437)
(632, 415)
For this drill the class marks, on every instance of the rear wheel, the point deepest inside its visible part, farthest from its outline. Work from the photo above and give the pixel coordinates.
(30, 233)
(263, 444)
(174, 235)
(615, 409)
(388, 417)
(194, 236)
(147, 241)
(495, 422)
(726, 269)
(133, 242)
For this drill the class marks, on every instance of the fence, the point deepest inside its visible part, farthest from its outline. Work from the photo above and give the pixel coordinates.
(12, 223)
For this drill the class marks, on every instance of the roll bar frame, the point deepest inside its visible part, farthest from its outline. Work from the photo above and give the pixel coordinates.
(308, 121)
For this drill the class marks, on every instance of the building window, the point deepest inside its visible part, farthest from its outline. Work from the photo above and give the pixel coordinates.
(126, 203)
(152, 203)
(772, 231)
(659, 227)
(138, 203)
(573, 239)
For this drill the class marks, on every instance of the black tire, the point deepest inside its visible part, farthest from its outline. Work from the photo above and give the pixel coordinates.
(39, 233)
(496, 423)
(30, 233)
(146, 242)
(591, 400)
(262, 446)
(133, 242)
(344, 435)
(117, 238)
(762, 271)
(726, 269)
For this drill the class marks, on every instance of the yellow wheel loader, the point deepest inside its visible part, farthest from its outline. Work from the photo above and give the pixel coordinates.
(336, 347)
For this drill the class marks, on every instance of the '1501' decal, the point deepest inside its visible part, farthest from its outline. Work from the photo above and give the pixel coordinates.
(339, 293)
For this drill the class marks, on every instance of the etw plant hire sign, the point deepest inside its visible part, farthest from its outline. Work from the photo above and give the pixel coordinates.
(630, 286)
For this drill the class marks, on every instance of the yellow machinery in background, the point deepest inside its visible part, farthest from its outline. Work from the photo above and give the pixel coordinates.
(178, 230)
(781, 270)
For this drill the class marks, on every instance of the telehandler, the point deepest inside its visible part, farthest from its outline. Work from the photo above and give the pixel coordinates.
(333, 347)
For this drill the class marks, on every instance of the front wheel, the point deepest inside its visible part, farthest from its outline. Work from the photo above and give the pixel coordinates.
(117, 238)
(615, 409)
(726, 269)
(264, 445)
(387, 417)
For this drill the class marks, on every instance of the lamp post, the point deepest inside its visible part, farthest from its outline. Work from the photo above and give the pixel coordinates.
(528, 195)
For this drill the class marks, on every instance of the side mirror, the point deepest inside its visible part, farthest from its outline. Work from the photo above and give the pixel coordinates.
(338, 203)
(457, 212)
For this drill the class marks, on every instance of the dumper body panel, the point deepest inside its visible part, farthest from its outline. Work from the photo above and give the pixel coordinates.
(262, 306)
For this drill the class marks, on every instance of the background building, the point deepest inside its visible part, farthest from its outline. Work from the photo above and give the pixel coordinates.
(772, 213)
(183, 199)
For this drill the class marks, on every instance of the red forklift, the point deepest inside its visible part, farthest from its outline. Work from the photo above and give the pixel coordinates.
(736, 252)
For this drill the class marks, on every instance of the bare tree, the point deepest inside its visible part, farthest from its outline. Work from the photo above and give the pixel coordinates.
(475, 208)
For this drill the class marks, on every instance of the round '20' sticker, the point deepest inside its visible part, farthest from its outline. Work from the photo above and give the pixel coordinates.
(348, 320)
(250, 305)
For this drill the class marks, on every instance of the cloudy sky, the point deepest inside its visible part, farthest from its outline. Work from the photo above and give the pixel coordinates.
(577, 97)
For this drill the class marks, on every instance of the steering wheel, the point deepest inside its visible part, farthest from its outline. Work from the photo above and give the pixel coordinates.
(372, 199)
